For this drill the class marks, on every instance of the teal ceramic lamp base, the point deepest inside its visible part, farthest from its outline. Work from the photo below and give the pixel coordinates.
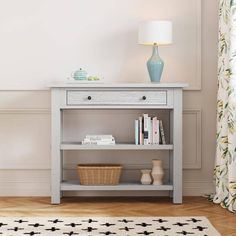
(155, 66)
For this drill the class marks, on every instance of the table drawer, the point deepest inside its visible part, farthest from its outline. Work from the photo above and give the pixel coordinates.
(80, 97)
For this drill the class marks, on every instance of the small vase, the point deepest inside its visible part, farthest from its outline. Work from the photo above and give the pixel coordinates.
(157, 172)
(146, 177)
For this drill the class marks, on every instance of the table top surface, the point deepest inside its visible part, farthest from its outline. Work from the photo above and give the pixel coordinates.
(117, 85)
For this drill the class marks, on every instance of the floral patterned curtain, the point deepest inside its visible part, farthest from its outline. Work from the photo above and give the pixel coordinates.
(225, 168)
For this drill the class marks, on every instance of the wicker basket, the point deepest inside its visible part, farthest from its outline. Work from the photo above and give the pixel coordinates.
(99, 174)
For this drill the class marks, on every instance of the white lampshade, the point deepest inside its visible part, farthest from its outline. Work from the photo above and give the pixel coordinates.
(155, 32)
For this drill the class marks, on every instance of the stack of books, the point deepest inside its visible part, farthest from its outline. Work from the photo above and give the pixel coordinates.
(99, 140)
(149, 130)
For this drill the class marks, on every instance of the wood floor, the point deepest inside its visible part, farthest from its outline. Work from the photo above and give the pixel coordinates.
(224, 221)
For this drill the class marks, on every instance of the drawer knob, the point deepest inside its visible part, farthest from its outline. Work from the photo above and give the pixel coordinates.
(144, 97)
(89, 97)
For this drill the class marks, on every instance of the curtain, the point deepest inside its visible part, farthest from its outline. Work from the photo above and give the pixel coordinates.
(225, 167)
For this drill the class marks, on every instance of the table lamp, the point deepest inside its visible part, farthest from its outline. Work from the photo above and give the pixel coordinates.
(155, 33)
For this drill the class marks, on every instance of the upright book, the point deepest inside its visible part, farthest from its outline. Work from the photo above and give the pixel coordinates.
(136, 126)
(145, 128)
(163, 140)
(155, 131)
(150, 130)
(141, 130)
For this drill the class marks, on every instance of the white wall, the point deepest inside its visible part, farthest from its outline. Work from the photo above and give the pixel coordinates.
(25, 114)
(45, 40)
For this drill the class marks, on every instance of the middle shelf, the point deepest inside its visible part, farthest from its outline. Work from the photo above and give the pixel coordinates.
(121, 146)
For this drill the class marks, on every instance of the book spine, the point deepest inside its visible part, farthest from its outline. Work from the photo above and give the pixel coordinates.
(163, 140)
(102, 140)
(155, 131)
(145, 126)
(98, 143)
(140, 130)
(136, 132)
(99, 137)
(158, 131)
(149, 130)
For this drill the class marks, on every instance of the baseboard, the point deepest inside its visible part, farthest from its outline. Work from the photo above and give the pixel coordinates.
(24, 189)
(198, 188)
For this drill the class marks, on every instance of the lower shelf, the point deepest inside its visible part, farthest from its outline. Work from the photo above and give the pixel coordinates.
(75, 186)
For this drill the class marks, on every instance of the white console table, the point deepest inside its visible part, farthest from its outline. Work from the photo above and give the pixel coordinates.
(117, 96)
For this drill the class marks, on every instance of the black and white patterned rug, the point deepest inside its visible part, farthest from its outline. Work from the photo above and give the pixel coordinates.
(120, 226)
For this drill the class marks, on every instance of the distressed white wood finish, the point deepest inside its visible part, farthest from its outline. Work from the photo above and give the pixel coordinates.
(74, 97)
(117, 85)
(176, 154)
(56, 170)
(74, 185)
(174, 104)
(78, 146)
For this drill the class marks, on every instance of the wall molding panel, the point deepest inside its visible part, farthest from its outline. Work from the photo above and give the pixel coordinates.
(192, 160)
(192, 142)
(25, 139)
(25, 111)
(34, 178)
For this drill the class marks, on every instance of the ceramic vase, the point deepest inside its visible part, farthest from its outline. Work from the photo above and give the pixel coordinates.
(146, 177)
(79, 74)
(155, 66)
(157, 172)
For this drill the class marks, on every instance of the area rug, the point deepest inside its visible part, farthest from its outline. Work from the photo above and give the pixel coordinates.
(120, 226)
